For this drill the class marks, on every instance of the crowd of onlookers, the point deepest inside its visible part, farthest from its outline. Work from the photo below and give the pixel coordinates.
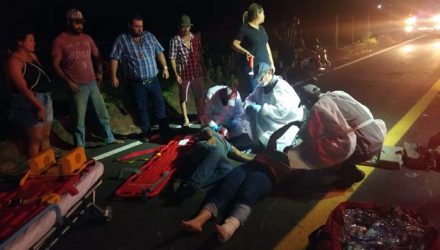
(263, 107)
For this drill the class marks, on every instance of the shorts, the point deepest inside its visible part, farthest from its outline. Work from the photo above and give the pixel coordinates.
(196, 85)
(24, 113)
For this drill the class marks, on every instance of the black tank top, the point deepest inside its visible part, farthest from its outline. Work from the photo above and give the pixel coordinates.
(36, 78)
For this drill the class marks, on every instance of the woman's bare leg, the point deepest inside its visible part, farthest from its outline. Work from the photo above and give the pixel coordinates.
(45, 143)
(35, 136)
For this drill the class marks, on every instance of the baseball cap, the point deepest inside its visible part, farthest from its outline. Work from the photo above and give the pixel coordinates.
(74, 14)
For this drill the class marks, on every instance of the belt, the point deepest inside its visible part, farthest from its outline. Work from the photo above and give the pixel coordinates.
(144, 81)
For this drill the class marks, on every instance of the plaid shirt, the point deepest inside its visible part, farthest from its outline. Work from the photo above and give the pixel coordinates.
(187, 59)
(139, 59)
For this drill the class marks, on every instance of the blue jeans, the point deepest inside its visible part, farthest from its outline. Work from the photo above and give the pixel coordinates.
(142, 94)
(244, 185)
(80, 99)
(213, 167)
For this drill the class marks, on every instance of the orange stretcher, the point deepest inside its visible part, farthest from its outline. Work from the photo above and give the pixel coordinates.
(156, 173)
(32, 212)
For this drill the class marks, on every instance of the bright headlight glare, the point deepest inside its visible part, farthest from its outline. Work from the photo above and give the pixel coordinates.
(409, 28)
(411, 20)
(436, 19)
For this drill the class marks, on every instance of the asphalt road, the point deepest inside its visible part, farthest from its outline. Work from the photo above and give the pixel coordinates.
(393, 84)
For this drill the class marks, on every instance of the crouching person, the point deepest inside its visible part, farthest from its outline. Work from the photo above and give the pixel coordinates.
(272, 104)
(339, 133)
(210, 156)
(224, 109)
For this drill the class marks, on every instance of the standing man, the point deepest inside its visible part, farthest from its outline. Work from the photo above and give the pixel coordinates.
(138, 50)
(72, 55)
(185, 53)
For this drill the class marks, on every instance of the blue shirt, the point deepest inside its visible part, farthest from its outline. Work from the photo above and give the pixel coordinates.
(139, 59)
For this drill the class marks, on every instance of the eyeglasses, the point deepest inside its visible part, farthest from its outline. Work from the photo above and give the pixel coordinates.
(260, 80)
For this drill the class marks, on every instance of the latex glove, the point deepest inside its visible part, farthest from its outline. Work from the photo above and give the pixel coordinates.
(214, 126)
(253, 107)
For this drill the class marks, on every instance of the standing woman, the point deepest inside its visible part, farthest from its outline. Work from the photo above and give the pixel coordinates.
(31, 97)
(252, 41)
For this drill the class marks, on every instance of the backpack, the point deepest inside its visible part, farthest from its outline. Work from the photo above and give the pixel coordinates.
(340, 128)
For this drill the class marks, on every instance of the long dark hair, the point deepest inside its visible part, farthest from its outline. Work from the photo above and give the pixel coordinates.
(252, 12)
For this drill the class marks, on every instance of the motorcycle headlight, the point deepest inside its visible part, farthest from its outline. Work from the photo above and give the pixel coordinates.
(436, 19)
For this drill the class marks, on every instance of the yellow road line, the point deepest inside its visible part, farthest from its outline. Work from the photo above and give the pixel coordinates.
(297, 238)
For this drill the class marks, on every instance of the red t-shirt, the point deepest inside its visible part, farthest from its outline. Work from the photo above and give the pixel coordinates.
(76, 56)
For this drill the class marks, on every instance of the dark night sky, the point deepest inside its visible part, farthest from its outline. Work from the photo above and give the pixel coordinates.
(217, 19)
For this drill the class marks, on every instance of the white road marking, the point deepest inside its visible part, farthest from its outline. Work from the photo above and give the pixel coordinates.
(377, 53)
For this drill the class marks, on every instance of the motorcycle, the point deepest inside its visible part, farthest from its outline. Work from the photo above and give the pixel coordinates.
(324, 62)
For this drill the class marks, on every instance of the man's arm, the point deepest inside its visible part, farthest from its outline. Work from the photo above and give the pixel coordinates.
(161, 58)
(113, 70)
(240, 156)
(174, 66)
(56, 63)
(99, 62)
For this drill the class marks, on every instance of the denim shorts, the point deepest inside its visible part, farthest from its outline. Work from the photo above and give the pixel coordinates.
(24, 113)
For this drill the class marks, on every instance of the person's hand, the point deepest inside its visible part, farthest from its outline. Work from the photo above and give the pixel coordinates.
(273, 68)
(253, 108)
(72, 86)
(215, 128)
(165, 73)
(213, 125)
(99, 79)
(41, 114)
(115, 82)
(248, 55)
(179, 79)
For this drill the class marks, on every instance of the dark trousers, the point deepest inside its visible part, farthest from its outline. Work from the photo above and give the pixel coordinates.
(143, 93)
(245, 184)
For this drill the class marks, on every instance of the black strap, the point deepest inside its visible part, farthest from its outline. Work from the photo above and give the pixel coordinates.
(272, 144)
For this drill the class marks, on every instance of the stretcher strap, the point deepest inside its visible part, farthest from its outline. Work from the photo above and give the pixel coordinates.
(141, 152)
(162, 178)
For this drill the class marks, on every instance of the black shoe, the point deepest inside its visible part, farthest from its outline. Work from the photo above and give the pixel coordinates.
(348, 175)
(143, 138)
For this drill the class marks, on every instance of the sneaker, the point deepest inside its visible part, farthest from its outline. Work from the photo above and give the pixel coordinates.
(143, 138)
(116, 141)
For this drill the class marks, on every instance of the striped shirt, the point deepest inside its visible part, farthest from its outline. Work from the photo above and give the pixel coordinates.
(187, 59)
(139, 59)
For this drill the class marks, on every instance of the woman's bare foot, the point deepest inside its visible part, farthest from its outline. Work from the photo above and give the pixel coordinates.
(196, 225)
(225, 231)
(191, 226)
